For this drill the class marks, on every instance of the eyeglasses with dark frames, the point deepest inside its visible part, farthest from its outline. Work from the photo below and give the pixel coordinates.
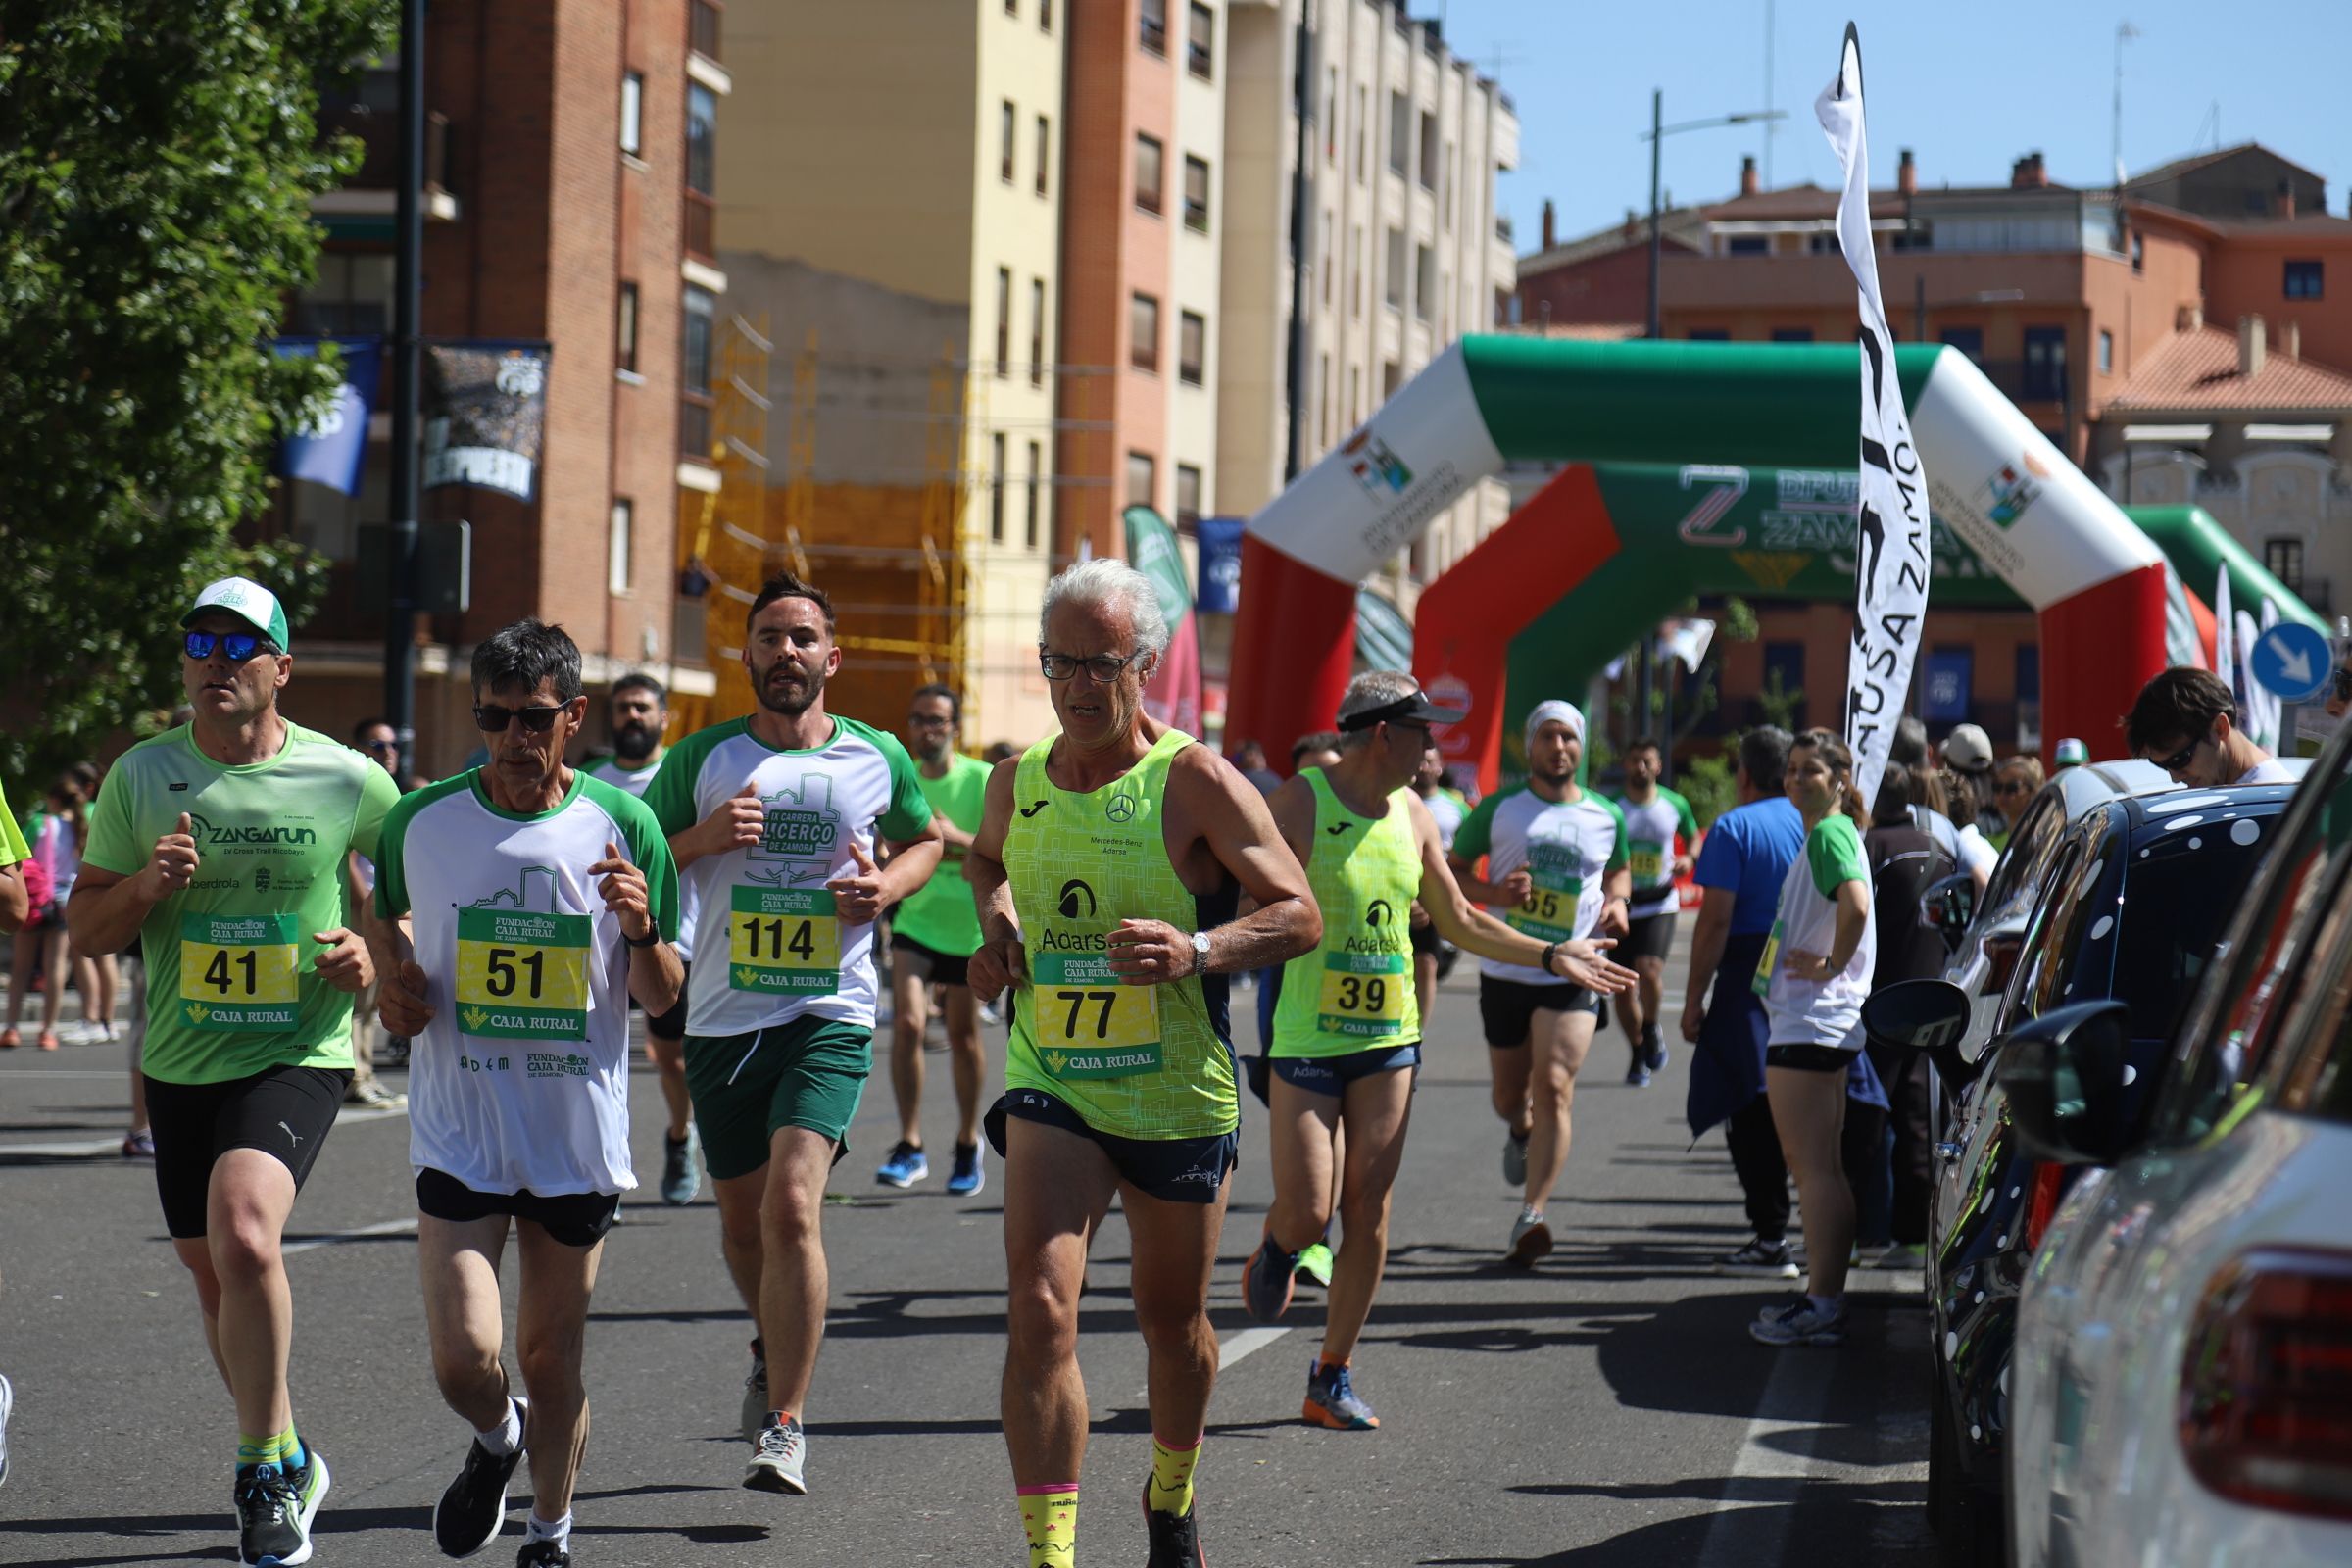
(1102, 668)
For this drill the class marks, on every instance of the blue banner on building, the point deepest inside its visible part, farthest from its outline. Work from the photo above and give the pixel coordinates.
(1946, 691)
(332, 450)
(1219, 590)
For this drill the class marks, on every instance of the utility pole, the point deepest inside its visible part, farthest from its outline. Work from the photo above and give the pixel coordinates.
(1303, 238)
(408, 298)
(1657, 139)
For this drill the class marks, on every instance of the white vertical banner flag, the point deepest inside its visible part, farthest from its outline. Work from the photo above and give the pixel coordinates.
(1890, 559)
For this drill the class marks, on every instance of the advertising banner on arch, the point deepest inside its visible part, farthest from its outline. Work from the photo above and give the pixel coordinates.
(1173, 693)
(1892, 561)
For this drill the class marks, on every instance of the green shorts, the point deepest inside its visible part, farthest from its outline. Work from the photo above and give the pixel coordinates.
(809, 1072)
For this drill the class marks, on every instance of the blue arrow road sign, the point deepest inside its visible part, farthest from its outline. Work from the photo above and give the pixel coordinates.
(2292, 662)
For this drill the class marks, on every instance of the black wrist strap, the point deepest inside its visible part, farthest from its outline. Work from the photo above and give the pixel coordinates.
(651, 937)
(1549, 948)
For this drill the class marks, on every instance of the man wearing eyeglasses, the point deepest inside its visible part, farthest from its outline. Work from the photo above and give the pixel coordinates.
(531, 901)
(1108, 871)
(219, 847)
(777, 822)
(2186, 723)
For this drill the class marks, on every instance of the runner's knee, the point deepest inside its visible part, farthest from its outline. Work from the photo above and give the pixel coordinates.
(1042, 1323)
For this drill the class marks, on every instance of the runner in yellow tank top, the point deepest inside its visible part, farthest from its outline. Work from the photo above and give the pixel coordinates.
(1106, 872)
(1348, 1027)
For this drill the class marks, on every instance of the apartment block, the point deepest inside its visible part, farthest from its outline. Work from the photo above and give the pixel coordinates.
(898, 236)
(570, 170)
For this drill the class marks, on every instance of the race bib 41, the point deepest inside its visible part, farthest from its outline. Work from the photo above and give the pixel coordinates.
(240, 971)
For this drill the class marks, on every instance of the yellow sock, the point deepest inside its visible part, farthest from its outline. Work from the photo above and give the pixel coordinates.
(1171, 1489)
(284, 1450)
(1049, 1515)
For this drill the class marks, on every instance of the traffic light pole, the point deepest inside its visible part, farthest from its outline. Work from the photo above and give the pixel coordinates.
(408, 294)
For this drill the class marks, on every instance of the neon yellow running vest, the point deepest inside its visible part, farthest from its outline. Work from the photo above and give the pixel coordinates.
(1355, 992)
(1134, 1062)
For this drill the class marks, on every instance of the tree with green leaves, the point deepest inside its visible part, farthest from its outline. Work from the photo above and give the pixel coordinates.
(156, 166)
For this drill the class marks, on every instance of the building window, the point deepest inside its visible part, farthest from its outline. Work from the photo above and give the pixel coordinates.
(1425, 283)
(1044, 15)
(351, 297)
(1355, 395)
(698, 353)
(1188, 495)
(2140, 251)
(1393, 287)
(1429, 151)
(1323, 397)
(2045, 363)
(1037, 484)
(1196, 194)
(1152, 25)
(1147, 157)
(1391, 373)
(2282, 559)
(1143, 479)
(1355, 281)
(1784, 672)
(1363, 115)
(1142, 332)
(624, 335)
(1045, 151)
(2303, 280)
(1200, 42)
(1747, 245)
(1007, 117)
(1792, 334)
(632, 112)
(1013, 8)
(1709, 334)
(1192, 348)
(1969, 340)
(1331, 117)
(996, 488)
(617, 547)
(1004, 322)
(702, 139)
(2106, 352)
(1326, 257)
(1400, 135)
(1037, 331)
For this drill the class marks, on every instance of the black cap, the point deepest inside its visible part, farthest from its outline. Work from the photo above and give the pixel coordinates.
(1415, 709)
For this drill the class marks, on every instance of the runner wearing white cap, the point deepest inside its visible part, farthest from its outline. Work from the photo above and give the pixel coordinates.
(1556, 869)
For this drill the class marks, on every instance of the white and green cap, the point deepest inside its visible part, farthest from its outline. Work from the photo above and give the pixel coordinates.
(249, 602)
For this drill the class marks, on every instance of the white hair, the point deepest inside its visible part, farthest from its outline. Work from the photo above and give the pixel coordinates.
(1106, 583)
(1374, 688)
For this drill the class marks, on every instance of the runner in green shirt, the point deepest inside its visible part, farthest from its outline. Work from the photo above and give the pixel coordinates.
(1655, 817)
(219, 847)
(16, 902)
(933, 934)
(1106, 872)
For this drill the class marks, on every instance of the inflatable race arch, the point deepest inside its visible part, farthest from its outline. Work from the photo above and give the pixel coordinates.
(2031, 517)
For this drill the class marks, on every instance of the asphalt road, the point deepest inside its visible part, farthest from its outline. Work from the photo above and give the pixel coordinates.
(1608, 1408)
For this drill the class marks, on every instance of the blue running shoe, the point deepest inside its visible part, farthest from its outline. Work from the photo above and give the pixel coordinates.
(1332, 1400)
(1637, 1076)
(1266, 1281)
(681, 1177)
(967, 1177)
(906, 1166)
(1654, 1055)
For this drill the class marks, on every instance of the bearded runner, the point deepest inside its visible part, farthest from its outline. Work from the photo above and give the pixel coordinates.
(1656, 821)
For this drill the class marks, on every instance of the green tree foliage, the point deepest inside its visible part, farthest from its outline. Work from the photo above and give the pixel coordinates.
(157, 164)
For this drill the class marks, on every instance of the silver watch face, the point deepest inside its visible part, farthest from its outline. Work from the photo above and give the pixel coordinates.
(1201, 943)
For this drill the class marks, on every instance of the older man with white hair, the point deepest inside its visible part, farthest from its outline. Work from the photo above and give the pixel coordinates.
(1556, 869)
(1106, 871)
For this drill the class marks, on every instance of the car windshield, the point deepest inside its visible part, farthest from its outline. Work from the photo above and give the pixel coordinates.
(2177, 905)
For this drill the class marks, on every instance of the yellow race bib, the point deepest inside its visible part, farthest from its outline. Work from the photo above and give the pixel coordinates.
(240, 972)
(783, 939)
(1363, 994)
(522, 975)
(1088, 1023)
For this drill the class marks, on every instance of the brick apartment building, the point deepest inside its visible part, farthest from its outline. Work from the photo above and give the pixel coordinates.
(570, 174)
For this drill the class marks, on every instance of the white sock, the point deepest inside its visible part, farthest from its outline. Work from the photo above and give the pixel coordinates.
(505, 1437)
(1528, 1211)
(541, 1530)
(1831, 1304)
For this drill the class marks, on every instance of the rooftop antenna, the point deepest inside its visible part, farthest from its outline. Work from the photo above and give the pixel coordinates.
(2124, 33)
(1771, 123)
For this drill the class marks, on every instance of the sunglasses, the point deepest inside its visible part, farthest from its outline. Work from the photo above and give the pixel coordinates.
(492, 720)
(2181, 758)
(239, 646)
(386, 746)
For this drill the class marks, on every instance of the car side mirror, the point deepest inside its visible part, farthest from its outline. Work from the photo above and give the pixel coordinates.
(1949, 906)
(2063, 1076)
(1930, 1015)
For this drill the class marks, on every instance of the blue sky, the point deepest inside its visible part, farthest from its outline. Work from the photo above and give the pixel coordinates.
(1970, 86)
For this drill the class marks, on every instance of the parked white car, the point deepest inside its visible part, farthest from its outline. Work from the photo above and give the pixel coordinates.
(2182, 1371)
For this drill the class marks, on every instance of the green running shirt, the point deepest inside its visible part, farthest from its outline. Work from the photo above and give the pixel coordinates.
(232, 985)
(1356, 991)
(941, 915)
(1134, 1062)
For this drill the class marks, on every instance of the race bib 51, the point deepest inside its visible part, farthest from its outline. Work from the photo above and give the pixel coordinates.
(522, 975)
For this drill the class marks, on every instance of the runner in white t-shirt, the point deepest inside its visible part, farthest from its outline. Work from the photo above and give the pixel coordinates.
(1656, 819)
(533, 901)
(637, 710)
(1556, 870)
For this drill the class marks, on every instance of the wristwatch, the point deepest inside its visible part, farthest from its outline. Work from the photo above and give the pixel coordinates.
(653, 935)
(1199, 952)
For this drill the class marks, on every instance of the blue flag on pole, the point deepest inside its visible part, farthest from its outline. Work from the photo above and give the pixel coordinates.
(333, 450)
(1220, 589)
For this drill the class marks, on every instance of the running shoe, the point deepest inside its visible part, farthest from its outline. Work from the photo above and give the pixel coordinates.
(1868, 1254)
(1175, 1539)
(754, 1393)
(544, 1554)
(1332, 1400)
(139, 1145)
(1654, 1055)
(274, 1510)
(968, 1177)
(906, 1166)
(777, 1456)
(1761, 1258)
(1798, 1321)
(1637, 1076)
(472, 1510)
(1531, 1238)
(1315, 1264)
(48, 1040)
(1514, 1158)
(8, 1399)
(393, 1052)
(11, 1038)
(1266, 1281)
(372, 1095)
(681, 1176)
(1902, 1256)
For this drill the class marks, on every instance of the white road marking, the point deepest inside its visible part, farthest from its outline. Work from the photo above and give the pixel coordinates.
(1778, 1446)
(1244, 1343)
(390, 1227)
(88, 1149)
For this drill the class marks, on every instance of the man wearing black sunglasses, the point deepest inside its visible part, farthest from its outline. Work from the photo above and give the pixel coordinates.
(219, 847)
(2186, 723)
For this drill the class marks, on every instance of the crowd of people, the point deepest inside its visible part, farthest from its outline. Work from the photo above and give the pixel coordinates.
(301, 904)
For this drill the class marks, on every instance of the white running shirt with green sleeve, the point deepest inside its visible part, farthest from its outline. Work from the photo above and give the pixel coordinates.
(1567, 847)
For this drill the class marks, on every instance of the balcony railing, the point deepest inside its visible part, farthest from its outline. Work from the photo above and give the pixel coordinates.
(702, 227)
(702, 28)
(378, 133)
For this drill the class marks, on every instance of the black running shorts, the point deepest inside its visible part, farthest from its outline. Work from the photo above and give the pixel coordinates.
(1649, 936)
(285, 1113)
(1508, 1008)
(575, 1219)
